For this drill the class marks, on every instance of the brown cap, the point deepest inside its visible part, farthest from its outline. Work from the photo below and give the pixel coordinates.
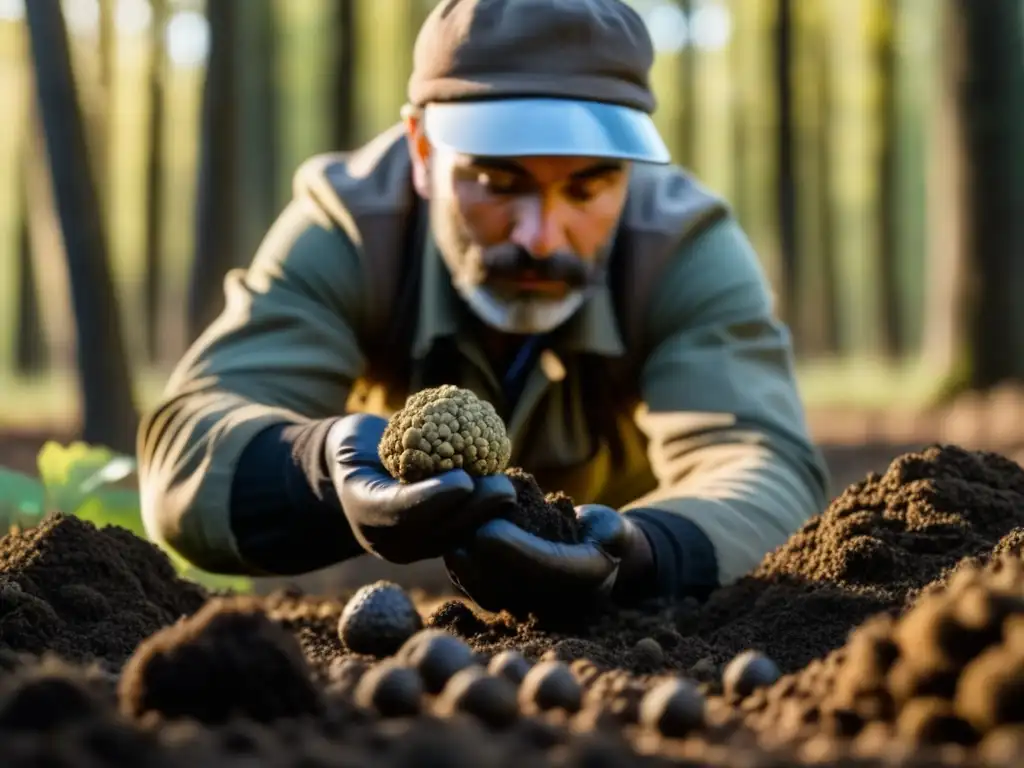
(537, 77)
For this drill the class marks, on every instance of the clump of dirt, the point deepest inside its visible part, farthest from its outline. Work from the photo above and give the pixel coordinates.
(874, 549)
(86, 593)
(551, 517)
(228, 660)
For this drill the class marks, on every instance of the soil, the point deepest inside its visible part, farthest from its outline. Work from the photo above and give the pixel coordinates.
(86, 594)
(890, 631)
(551, 516)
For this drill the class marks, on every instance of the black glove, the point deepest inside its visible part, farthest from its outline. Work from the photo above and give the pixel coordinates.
(505, 567)
(406, 522)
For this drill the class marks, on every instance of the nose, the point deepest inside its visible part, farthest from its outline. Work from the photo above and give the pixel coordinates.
(538, 227)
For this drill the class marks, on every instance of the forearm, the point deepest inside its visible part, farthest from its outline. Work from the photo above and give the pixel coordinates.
(729, 504)
(223, 478)
(285, 515)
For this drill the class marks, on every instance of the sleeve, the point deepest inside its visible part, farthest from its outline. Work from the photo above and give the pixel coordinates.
(282, 356)
(727, 438)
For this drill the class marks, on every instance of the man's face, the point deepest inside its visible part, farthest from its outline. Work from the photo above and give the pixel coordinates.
(524, 238)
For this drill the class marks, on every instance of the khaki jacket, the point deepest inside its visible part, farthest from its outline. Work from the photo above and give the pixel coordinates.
(717, 434)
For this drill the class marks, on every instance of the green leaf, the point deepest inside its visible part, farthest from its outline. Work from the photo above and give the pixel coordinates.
(71, 473)
(22, 499)
(114, 507)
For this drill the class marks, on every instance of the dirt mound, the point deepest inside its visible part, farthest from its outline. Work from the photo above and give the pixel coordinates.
(551, 516)
(896, 616)
(228, 660)
(86, 593)
(874, 549)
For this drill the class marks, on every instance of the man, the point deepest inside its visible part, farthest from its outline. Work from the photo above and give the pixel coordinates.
(521, 234)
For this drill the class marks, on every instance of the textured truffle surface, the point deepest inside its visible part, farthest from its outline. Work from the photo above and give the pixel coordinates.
(444, 428)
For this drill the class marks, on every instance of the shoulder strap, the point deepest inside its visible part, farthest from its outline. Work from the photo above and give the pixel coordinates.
(665, 208)
(368, 193)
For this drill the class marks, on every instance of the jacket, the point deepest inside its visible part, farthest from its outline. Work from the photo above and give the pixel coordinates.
(714, 448)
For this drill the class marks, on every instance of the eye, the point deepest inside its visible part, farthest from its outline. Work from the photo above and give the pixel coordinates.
(582, 191)
(500, 183)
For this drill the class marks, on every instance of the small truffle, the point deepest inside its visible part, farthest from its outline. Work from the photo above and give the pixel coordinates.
(673, 707)
(511, 665)
(747, 672)
(551, 685)
(491, 698)
(650, 651)
(436, 655)
(393, 690)
(378, 619)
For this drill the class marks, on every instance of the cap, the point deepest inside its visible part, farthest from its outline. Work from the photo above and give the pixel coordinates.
(537, 77)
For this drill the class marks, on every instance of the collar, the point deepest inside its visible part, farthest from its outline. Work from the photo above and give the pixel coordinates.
(593, 329)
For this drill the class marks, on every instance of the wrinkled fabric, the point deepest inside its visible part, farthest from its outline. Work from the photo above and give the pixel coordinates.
(719, 440)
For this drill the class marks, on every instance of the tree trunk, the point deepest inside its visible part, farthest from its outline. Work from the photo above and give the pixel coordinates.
(100, 111)
(892, 336)
(108, 412)
(30, 351)
(786, 157)
(155, 181)
(254, 66)
(688, 87)
(991, 104)
(217, 214)
(343, 76)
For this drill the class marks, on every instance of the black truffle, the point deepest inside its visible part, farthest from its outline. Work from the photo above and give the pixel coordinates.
(390, 688)
(673, 707)
(378, 619)
(511, 665)
(436, 655)
(491, 698)
(551, 685)
(747, 672)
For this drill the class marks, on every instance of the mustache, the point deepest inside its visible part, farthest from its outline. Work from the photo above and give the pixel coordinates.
(511, 262)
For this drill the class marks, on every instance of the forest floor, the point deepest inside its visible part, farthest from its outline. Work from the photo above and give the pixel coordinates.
(888, 631)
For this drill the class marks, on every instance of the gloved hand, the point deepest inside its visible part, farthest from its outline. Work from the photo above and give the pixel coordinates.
(406, 522)
(504, 567)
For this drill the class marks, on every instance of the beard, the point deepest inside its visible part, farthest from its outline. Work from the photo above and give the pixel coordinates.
(493, 281)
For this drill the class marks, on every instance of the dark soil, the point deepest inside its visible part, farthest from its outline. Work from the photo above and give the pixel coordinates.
(84, 593)
(551, 517)
(895, 619)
